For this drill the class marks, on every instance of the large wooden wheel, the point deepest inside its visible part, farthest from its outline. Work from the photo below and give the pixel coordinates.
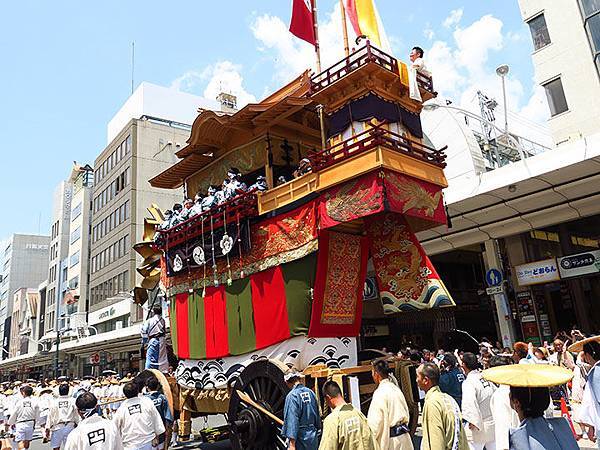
(250, 429)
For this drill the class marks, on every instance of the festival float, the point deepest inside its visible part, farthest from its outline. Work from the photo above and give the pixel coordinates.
(273, 275)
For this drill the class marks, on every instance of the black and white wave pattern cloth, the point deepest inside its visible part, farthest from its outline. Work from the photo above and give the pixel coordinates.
(298, 352)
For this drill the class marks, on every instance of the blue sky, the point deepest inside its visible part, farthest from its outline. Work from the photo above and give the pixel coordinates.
(66, 69)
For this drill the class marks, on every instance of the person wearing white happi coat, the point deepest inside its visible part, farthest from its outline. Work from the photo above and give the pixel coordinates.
(138, 420)
(153, 335)
(45, 400)
(417, 65)
(94, 432)
(24, 417)
(62, 418)
(476, 410)
(388, 415)
(588, 415)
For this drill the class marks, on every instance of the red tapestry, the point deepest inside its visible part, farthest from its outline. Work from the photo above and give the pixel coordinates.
(215, 319)
(412, 197)
(339, 285)
(352, 200)
(274, 241)
(181, 315)
(271, 322)
(407, 280)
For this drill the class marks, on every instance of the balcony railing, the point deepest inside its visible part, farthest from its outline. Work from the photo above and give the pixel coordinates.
(360, 58)
(236, 209)
(372, 138)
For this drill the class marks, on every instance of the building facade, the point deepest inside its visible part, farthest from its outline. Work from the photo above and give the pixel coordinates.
(566, 58)
(25, 265)
(76, 295)
(59, 252)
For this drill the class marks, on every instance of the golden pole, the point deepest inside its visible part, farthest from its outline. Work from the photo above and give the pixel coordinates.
(317, 43)
(345, 29)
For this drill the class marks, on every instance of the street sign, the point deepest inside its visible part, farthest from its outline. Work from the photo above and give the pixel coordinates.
(494, 290)
(493, 277)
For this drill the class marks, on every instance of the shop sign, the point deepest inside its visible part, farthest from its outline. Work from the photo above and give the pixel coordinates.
(494, 290)
(537, 272)
(580, 264)
(110, 312)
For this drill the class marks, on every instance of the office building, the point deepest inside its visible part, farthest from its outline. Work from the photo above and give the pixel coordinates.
(566, 57)
(76, 294)
(25, 264)
(59, 251)
(151, 131)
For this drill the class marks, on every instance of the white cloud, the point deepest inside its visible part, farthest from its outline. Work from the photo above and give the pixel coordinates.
(291, 56)
(223, 76)
(454, 18)
(461, 68)
(428, 32)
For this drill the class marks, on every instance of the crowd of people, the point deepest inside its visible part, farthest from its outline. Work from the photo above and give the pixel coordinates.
(232, 186)
(463, 404)
(108, 413)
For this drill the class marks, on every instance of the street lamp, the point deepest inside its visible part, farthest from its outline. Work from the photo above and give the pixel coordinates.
(502, 71)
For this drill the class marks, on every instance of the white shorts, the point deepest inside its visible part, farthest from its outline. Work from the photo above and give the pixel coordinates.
(59, 436)
(24, 431)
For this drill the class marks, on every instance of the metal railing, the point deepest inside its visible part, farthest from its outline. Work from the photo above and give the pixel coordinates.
(376, 136)
(360, 58)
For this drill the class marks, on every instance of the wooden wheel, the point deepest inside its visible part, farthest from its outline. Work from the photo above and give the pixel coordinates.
(164, 383)
(250, 429)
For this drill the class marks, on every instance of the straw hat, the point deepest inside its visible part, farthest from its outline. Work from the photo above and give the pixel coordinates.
(528, 375)
(576, 347)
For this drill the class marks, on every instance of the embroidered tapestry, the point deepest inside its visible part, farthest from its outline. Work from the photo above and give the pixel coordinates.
(406, 278)
(339, 285)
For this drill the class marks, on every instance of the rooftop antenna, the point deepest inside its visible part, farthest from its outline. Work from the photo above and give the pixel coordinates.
(132, 63)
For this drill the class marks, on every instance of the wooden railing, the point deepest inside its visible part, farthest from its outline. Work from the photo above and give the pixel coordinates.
(362, 57)
(238, 208)
(372, 138)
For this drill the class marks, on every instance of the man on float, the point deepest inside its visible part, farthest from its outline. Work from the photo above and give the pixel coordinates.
(153, 335)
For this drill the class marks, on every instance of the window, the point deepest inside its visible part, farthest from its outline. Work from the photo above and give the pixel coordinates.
(556, 97)
(539, 32)
(74, 282)
(76, 211)
(590, 10)
(74, 259)
(76, 234)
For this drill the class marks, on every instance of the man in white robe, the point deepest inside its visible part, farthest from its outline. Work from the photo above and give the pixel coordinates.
(476, 396)
(388, 415)
(417, 65)
(24, 417)
(62, 418)
(138, 420)
(94, 432)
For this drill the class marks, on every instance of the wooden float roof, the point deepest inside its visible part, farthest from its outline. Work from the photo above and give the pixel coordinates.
(214, 133)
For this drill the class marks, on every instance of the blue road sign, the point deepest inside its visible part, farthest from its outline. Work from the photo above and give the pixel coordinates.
(493, 277)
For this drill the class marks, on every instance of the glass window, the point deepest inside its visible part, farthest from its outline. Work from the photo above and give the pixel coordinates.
(589, 7)
(127, 210)
(128, 144)
(76, 211)
(556, 97)
(76, 234)
(593, 29)
(74, 259)
(74, 282)
(539, 32)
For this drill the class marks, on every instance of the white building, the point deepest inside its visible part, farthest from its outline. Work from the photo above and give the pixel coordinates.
(566, 56)
(76, 295)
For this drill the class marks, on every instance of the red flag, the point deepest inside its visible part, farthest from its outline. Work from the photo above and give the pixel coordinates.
(303, 23)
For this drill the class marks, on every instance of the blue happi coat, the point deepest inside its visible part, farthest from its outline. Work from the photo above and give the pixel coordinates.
(543, 434)
(301, 418)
